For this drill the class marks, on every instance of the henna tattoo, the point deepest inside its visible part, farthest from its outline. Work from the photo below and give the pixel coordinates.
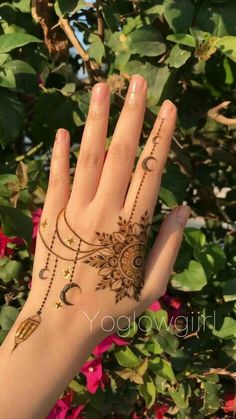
(121, 265)
(64, 290)
(29, 325)
(44, 224)
(119, 257)
(70, 241)
(45, 269)
(145, 163)
(25, 329)
(58, 305)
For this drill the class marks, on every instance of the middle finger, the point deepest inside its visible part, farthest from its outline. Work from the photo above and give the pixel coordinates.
(119, 162)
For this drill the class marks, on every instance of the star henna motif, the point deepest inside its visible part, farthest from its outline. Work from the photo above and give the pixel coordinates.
(44, 224)
(67, 272)
(70, 241)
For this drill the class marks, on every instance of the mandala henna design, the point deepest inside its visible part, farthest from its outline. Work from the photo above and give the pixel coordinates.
(121, 261)
(119, 258)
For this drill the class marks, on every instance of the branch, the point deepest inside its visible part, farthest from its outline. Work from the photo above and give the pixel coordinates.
(77, 45)
(214, 113)
(100, 25)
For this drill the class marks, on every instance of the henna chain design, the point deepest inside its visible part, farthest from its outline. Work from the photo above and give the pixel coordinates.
(146, 169)
(121, 269)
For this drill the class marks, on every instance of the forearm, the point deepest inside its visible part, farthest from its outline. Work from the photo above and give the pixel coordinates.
(34, 375)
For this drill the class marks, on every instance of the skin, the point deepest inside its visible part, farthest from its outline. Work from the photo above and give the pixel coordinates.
(38, 371)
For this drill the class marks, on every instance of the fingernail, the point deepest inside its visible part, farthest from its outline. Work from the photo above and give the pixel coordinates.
(136, 84)
(166, 109)
(183, 214)
(62, 135)
(99, 93)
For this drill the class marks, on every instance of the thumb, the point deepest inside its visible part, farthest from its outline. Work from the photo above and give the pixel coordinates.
(163, 254)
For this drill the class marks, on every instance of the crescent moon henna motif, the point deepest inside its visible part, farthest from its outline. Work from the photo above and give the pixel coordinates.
(155, 138)
(145, 163)
(64, 290)
(41, 273)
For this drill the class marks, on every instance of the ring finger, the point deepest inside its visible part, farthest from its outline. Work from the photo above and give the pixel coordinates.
(144, 188)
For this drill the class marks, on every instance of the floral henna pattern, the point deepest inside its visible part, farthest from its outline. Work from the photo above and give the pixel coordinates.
(121, 260)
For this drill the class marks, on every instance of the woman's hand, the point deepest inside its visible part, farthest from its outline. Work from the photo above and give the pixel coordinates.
(91, 266)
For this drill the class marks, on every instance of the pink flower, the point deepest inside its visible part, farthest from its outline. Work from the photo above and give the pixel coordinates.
(173, 302)
(61, 408)
(155, 306)
(230, 403)
(4, 240)
(93, 373)
(160, 411)
(36, 215)
(107, 343)
(76, 412)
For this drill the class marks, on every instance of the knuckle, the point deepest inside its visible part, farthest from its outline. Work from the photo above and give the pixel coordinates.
(57, 180)
(89, 158)
(120, 151)
(95, 114)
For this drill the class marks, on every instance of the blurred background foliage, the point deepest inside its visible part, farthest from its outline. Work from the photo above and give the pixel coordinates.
(51, 54)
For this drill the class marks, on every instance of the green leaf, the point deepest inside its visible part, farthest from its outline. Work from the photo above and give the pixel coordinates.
(229, 290)
(10, 271)
(63, 7)
(227, 330)
(25, 76)
(178, 57)
(180, 395)
(162, 367)
(77, 387)
(191, 279)
(211, 402)
(168, 341)
(218, 255)
(10, 41)
(156, 320)
(8, 316)
(182, 39)
(148, 392)
(218, 19)
(96, 50)
(195, 237)
(153, 346)
(126, 358)
(227, 45)
(11, 109)
(146, 41)
(179, 14)
(130, 332)
(7, 78)
(23, 5)
(173, 193)
(16, 223)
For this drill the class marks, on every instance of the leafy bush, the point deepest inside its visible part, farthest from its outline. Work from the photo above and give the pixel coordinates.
(184, 364)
